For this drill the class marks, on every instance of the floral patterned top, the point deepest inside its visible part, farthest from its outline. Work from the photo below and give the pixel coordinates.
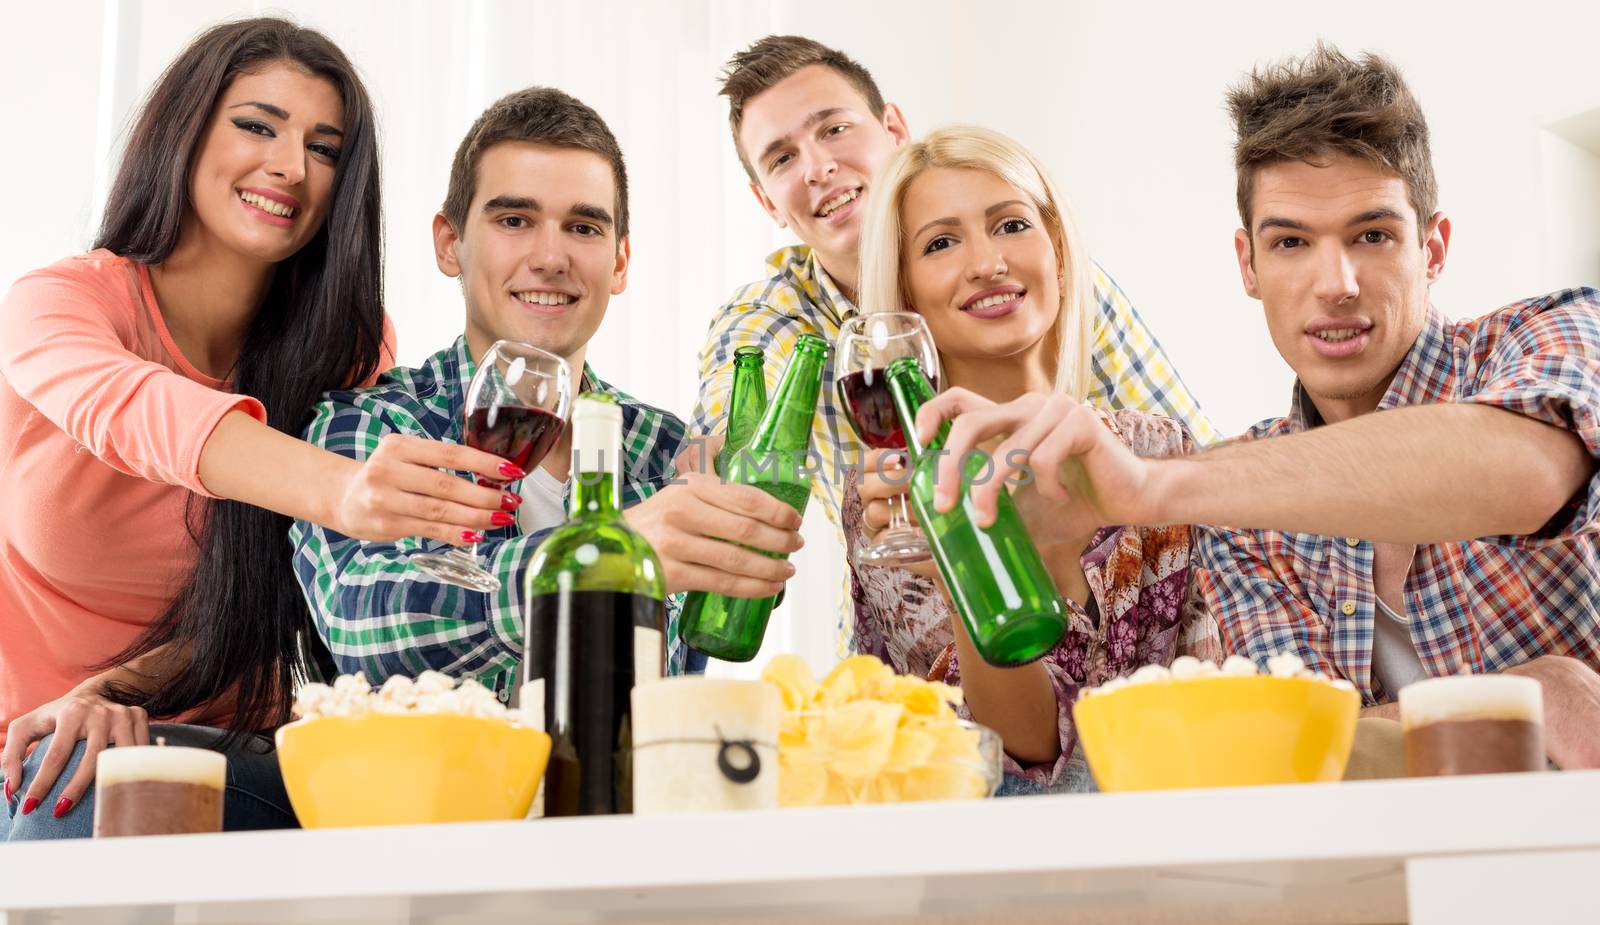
(1146, 609)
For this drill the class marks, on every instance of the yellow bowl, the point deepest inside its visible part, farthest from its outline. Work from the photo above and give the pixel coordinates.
(391, 769)
(1217, 732)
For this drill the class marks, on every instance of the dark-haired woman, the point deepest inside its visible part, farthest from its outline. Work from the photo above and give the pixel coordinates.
(148, 393)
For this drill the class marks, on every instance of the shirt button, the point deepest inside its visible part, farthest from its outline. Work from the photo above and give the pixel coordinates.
(1347, 608)
(1352, 542)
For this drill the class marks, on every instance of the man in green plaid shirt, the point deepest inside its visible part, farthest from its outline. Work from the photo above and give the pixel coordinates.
(535, 225)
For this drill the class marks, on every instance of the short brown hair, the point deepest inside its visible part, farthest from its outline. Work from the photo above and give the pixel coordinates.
(1326, 104)
(769, 61)
(541, 115)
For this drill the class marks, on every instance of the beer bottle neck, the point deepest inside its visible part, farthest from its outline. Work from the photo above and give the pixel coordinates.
(910, 389)
(786, 426)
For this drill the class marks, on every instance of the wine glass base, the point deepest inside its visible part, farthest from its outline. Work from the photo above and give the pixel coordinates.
(896, 549)
(456, 569)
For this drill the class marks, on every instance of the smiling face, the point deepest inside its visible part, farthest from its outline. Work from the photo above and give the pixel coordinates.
(1342, 273)
(263, 177)
(814, 145)
(538, 257)
(978, 264)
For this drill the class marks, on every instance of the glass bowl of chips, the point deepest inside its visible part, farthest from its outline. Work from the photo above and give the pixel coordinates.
(864, 734)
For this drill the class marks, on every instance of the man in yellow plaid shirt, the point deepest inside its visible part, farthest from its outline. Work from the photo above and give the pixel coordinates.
(812, 129)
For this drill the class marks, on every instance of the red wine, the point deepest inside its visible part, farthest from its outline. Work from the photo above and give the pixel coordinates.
(590, 647)
(865, 394)
(521, 435)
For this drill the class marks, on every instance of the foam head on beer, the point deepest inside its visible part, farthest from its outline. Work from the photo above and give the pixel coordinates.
(158, 790)
(1473, 724)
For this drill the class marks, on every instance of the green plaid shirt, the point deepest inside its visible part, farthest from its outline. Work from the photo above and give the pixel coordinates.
(380, 616)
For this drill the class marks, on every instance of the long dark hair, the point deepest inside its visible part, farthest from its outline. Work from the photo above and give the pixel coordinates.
(240, 616)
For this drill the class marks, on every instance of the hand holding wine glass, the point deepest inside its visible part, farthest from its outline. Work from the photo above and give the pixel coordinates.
(867, 344)
(516, 408)
(402, 490)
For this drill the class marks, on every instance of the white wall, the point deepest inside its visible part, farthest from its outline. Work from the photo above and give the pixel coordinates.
(1122, 99)
(1571, 188)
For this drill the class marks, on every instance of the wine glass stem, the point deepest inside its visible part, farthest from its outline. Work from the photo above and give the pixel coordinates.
(899, 519)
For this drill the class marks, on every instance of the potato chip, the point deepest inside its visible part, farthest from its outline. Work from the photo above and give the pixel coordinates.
(856, 739)
(801, 782)
(954, 743)
(852, 680)
(793, 678)
(913, 746)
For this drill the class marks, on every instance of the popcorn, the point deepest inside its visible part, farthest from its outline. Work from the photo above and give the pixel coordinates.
(1185, 667)
(431, 692)
(866, 734)
(1285, 665)
(1148, 673)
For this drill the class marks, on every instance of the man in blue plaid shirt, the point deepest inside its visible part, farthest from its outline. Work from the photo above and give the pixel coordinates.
(535, 225)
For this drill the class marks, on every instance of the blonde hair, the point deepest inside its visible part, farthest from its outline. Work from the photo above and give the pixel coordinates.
(882, 285)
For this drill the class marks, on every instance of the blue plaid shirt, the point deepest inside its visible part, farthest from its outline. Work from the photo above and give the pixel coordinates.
(1480, 606)
(379, 615)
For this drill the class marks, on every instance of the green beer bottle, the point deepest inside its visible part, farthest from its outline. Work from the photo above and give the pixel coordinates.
(731, 628)
(746, 404)
(1000, 586)
(595, 615)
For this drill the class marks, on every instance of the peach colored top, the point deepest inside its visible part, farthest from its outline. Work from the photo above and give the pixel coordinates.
(102, 421)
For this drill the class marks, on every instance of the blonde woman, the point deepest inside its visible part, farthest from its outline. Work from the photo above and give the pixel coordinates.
(968, 231)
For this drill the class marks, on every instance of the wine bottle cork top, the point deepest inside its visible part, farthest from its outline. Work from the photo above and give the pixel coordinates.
(596, 433)
(1467, 697)
(166, 763)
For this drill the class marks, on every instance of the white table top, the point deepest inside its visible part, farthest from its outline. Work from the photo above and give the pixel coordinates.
(1317, 853)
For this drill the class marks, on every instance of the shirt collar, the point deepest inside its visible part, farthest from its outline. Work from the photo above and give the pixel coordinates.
(800, 262)
(1422, 375)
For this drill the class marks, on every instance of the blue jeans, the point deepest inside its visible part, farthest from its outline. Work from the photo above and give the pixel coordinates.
(255, 798)
(1075, 778)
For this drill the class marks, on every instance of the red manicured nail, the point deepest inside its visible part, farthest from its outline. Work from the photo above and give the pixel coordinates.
(471, 536)
(8, 790)
(29, 805)
(510, 471)
(62, 805)
(502, 519)
(510, 500)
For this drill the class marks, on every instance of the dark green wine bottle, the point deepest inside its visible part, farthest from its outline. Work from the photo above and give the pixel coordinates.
(999, 585)
(747, 403)
(595, 615)
(731, 628)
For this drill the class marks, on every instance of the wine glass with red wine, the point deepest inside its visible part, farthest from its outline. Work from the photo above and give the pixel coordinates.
(867, 344)
(517, 406)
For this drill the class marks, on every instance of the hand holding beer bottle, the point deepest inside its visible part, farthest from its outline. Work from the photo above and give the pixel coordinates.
(774, 461)
(996, 579)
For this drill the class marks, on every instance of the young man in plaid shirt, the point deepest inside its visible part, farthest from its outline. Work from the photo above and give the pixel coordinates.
(535, 225)
(1430, 504)
(811, 128)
